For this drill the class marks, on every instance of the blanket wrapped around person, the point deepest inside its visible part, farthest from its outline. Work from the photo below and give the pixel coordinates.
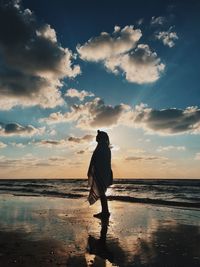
(100, 175)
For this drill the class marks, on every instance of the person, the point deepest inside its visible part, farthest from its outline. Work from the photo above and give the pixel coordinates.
(100, 175)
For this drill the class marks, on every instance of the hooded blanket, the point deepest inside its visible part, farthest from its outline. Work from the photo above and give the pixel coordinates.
(99, 173)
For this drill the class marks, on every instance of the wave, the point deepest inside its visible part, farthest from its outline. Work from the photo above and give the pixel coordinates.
(155, 201)
(180, 193)
(129, 199)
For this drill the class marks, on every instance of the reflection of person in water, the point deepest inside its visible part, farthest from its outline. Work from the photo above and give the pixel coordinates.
(100, 173)
(98, 247)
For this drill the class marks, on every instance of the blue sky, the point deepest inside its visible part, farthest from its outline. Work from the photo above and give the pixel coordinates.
(68, 68)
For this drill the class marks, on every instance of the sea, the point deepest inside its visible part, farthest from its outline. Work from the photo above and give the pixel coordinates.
(171, 192)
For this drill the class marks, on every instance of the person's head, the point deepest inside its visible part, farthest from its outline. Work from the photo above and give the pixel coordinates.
(102, 138)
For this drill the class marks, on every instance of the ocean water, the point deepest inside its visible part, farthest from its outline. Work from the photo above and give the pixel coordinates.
(179, 192)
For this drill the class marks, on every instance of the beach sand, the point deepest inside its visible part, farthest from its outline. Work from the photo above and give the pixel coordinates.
(42, 231)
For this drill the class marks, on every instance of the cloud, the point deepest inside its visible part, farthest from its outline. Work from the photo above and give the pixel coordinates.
(85, 138)
(52, 143)
(18, 145)
(2, 145)
(158, 20)
(167, 37)
(136, 150)
(78, 94)
(120, 53)
(91, 114)
(114, 147)
(30, 161)
(140, 21)
(32, 60)
(170, 148)
(167, 121)
(140, 158)
(96, 114)
(11, 129)
(57, 158)
(27, 160)
(197, 156)
(49, 143)
(108, 45)
(80, 152)
(139, 66)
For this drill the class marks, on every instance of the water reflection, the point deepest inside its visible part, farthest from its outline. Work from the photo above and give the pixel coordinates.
(65, 232)
(98, 246)
(170, 245)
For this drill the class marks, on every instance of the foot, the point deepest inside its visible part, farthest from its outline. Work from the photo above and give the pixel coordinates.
(102, 215)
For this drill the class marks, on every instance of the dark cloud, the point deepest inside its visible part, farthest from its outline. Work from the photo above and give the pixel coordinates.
(16, 83)
(17, 129)
(50, 142)
(169, 121)
(105, 115)
(94, 113)
(97, 114)
(80, 152)
(65, 142)
(31, 59)
(85, 138)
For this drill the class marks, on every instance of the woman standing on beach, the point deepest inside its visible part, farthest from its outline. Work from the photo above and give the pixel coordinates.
(100, 173)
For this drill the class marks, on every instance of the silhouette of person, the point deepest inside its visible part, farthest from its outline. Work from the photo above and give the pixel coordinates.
(100, 175)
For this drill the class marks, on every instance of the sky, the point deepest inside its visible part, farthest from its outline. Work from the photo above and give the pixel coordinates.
(69, 68)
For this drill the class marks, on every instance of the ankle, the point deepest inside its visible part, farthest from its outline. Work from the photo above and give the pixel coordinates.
(105, 212)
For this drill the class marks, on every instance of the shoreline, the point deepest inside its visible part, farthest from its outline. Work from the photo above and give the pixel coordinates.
(159, 202)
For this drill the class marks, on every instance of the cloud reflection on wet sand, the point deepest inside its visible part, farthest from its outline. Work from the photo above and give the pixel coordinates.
(62, 232)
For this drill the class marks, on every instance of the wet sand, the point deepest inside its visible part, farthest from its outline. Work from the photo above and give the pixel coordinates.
(41, 231)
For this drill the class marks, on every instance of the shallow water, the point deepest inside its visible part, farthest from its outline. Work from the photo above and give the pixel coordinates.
(62, 232)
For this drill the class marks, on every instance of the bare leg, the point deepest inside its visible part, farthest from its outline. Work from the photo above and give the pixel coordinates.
(104, 204)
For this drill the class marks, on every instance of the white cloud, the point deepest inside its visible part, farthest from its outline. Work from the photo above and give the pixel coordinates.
(167, 37)
(170, 148)
(135, 150)
(108, 45)
(78, 94)
(18, 145)
(121, 53)
(139, 66)
(158, 20)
